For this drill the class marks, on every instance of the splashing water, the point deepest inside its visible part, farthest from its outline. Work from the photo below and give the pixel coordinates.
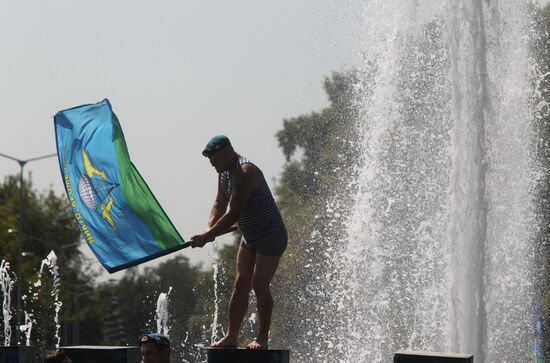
(437, 250)
(162, 312)
(6, 283)
(252, 320)
(51, 262)
(27, 328)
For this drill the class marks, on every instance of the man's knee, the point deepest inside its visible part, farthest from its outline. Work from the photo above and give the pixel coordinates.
(261, 288)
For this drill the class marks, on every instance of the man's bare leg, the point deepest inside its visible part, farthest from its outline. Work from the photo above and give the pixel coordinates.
(238, 305)
(263, 273)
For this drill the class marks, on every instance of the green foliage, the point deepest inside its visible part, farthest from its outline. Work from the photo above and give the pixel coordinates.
(47, 224)
(112, 313)
(326, 141)
(322, 155)
(131, 303)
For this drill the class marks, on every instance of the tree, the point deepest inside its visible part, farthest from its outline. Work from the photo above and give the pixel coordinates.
(326, 142)
(132, 303)
(47, 225)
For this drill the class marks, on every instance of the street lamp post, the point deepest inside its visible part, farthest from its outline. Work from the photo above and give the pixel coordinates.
(22, 164)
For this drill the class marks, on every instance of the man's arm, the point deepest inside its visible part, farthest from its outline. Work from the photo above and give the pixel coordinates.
(219, 207)
(245, 182)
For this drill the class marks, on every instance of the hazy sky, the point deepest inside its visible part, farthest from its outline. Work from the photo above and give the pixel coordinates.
(176, 73)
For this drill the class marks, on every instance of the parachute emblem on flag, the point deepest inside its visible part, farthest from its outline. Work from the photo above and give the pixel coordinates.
(94, 190)
(86, 192)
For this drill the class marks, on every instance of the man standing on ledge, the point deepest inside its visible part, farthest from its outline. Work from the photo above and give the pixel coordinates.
(244, 198)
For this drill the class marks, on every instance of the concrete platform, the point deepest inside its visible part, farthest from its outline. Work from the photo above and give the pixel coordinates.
(242, 355)
(405, 356)
(102, 354)
(17, 354)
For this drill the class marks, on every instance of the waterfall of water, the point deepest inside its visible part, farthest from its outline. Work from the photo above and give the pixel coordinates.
(437, 253)
(490, 200)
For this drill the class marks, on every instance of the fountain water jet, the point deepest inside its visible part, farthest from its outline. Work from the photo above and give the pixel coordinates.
(27, 328)
(218, 274)
(438, 248)
(6, 283)
(162, 312)
(51, 262)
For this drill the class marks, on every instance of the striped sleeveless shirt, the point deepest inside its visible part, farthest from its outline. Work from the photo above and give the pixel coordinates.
(261, 216)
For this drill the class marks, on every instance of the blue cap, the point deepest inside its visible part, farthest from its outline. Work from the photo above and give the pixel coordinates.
(215, 144)
(156, 338)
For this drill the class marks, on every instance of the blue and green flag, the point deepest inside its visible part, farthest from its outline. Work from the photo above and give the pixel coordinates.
(116, 212)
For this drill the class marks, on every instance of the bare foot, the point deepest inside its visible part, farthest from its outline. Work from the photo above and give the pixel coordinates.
(257, 344)
(225, 342)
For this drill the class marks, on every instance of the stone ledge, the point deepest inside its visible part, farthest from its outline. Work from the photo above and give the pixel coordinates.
(431, 357)
(242, 355)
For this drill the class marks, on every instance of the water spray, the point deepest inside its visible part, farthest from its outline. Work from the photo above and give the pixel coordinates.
(27, 328)
(162, 312)
(6, 283)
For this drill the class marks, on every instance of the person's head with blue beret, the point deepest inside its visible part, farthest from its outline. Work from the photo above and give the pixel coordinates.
(220, 152)
(154, 348)
(215, 144)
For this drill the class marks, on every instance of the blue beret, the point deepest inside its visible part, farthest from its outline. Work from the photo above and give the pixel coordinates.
(156, 338)
(215, 144)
